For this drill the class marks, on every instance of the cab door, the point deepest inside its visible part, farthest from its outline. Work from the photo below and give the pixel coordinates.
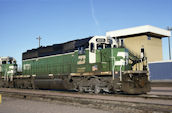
(92, 53)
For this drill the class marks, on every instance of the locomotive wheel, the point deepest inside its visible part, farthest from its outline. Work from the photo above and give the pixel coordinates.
(97, 89)
(81, 89)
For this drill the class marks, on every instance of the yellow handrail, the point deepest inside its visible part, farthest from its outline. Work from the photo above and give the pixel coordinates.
(0, 98)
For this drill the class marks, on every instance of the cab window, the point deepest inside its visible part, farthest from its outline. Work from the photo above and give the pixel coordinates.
(108, 46)
(4, 62)
(99, 46)
(92, 47)
(14, 62)
(122, 43)
(10, 62)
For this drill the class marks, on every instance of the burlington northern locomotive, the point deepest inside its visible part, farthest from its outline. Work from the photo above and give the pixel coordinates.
(94, 64)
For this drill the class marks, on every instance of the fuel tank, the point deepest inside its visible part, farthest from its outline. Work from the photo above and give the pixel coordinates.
(50, 84)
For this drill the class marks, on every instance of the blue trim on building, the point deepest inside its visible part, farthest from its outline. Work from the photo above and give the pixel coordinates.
(160, 70)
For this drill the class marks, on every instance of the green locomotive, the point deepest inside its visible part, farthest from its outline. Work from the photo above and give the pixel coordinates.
(8, 68)
(94, 64)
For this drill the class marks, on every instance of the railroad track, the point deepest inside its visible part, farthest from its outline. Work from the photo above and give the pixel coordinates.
(158, 103)
(152, 95)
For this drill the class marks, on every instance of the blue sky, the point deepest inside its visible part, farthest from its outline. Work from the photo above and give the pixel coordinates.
(56, 21)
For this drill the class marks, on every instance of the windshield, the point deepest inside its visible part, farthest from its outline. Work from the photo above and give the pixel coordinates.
(99, 46)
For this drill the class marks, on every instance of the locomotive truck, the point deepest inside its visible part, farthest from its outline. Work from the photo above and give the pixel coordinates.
(95, 64)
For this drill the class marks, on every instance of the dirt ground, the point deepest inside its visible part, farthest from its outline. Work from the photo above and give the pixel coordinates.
(13, 105)
(118, 105)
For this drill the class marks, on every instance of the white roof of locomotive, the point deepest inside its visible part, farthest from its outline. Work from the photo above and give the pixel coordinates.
(139, 30)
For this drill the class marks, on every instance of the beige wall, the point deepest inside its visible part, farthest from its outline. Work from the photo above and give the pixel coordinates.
(152, 48)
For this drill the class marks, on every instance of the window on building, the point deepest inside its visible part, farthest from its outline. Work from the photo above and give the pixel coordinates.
(142, 52)
(149, 37)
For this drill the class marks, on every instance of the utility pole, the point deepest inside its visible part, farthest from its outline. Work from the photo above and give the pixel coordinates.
(39, 39)
(169, 46)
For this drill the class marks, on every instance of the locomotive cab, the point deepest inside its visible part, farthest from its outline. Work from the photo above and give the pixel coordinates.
(98, 43)
(115, 60)
(8, 68)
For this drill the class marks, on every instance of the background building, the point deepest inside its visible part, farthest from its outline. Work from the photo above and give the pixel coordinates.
(142, 41)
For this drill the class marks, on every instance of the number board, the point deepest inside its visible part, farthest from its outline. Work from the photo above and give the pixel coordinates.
(100, 40)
